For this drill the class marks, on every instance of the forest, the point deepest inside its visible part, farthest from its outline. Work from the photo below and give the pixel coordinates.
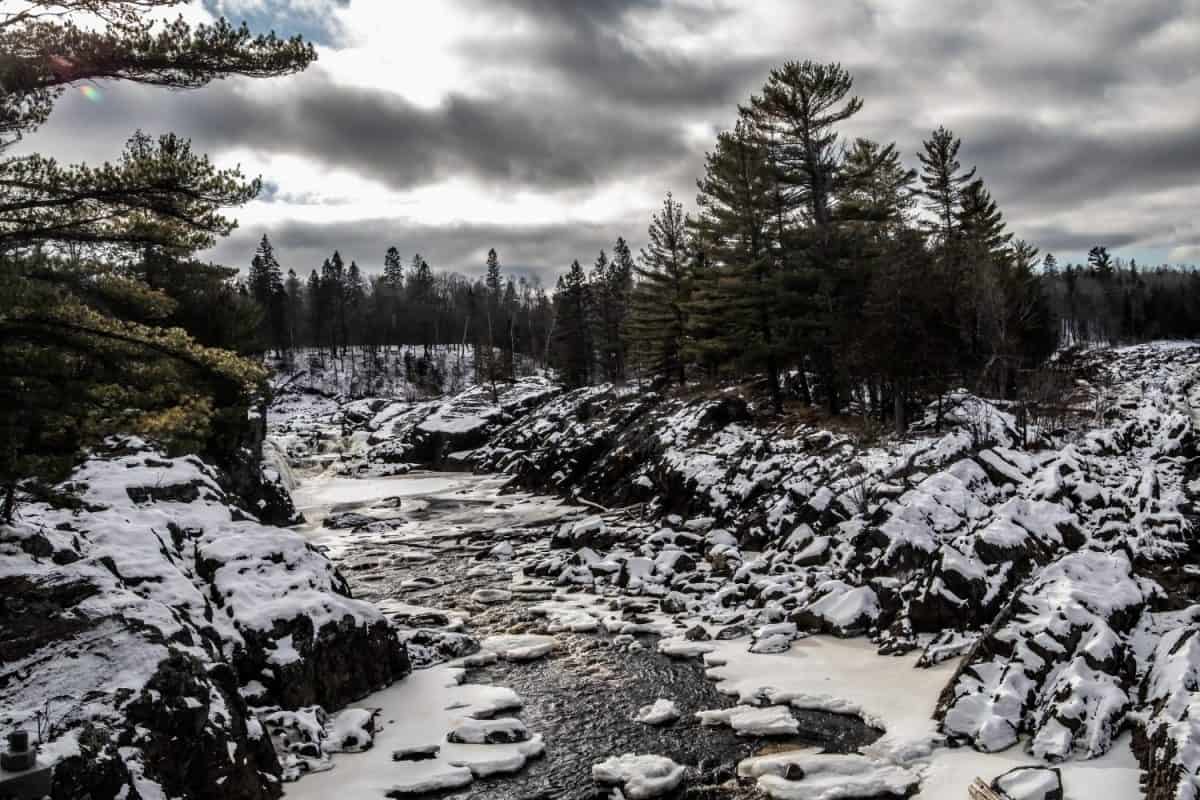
(828, 271)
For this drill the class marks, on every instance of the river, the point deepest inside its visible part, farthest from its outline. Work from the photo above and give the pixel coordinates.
(428, 555)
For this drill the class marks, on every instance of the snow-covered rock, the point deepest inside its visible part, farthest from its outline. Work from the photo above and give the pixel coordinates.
(753, 720)
(501, 730)
(639, 777)
(804, 775)
(661, 712)
(152, 605)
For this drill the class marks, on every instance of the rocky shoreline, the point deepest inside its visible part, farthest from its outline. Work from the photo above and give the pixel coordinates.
(151, 625)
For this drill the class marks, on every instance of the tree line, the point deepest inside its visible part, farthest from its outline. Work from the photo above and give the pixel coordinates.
(1108, 300)
(827, 270)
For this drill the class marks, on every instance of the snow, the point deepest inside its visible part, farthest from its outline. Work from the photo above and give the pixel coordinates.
(678, 647)
(520, 647)
(416, 714)
(753, 721)
(351, 491)
(955, 529)
(488, 731)
(1029, 783)
(826, 777)
(661, 712)
(165, 564)
(843, 606)
(639, 776)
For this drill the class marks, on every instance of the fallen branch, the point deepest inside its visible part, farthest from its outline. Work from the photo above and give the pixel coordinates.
(590, 504)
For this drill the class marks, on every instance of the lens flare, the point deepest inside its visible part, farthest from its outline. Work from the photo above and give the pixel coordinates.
(91, 93)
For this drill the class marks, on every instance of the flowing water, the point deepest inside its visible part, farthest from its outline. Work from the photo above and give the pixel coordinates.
(429, 553)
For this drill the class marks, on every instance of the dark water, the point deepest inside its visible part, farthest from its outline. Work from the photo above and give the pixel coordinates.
(582, 698)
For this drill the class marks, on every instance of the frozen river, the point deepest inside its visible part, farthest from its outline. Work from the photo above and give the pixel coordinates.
(446, 552)
(424, 563)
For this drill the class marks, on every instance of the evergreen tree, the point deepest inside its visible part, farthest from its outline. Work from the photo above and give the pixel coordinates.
(733, 228)
(422, 300)
(876, 191)
(265, 283)
(661, 291)
(86, 350)
(317, 305)
(353, 298)
(620, 290)
(1100, 262)
(294, 292)
(943, 182)
(800, 107)
(796, 120)
(572, 339)
(489, 362)
(393, 270)
(390, 295)
(333, 301)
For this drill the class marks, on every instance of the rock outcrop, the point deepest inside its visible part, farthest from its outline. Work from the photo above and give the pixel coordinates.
(149, 620)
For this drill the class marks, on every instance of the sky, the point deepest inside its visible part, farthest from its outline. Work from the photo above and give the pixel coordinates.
(547, 128)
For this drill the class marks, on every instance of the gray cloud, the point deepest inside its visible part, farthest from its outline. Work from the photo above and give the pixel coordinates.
(1070, 133)
(589, 47)
(520, 141)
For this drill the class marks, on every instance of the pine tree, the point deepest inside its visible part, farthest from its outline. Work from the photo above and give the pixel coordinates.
(572, 340)
(800, 107)
(333, 301)
(980, 221)
(265, 283)
(74, 366)
(492, 281)
(1100, 262)
(393, 270)
(661, 291)
(390, 295)
(601, 314)
(317, 305)
(734, 229)
(795, 120)
(422, 302)
(876, 190)
(510, 308)
(620, 289)
(488, 361)
(354, 298)
(943, 181)
(294, 292)
(983, 247)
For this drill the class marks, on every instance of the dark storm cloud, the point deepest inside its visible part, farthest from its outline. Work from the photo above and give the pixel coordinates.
(543, 251)
(512, 141)
(591, 47)
(1053, 166)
